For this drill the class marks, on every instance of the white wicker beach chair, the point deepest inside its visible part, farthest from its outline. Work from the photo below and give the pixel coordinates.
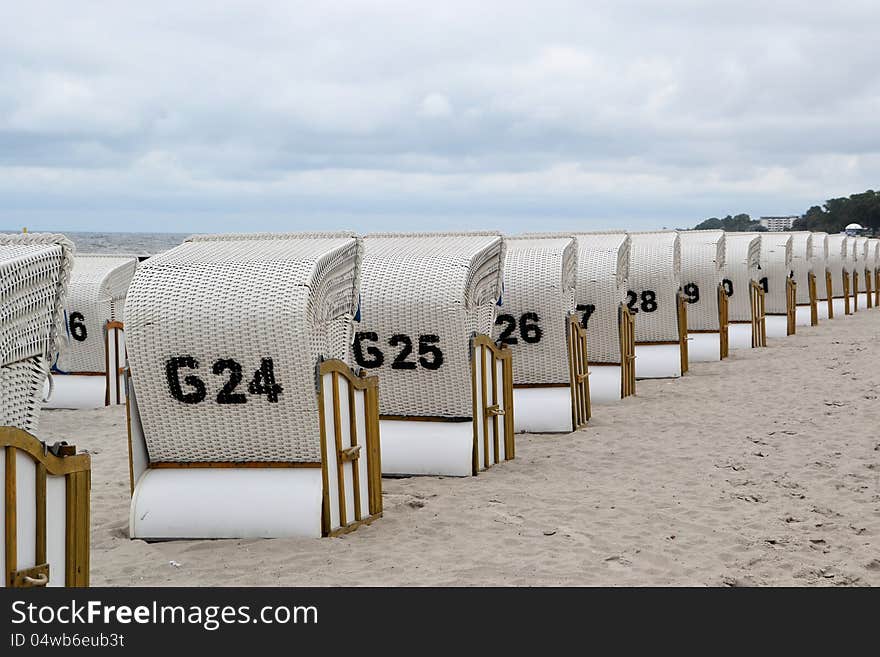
(860, 274)
(745, 295)
(549, 345)
(824, 285)
(779, 286)
(429, 302)
(95, 302)
(660, 309)
(34, 275)
(245, 419)
(804, 277)
(841, 264)
(601, 296)
(702, 273)
(45, 514)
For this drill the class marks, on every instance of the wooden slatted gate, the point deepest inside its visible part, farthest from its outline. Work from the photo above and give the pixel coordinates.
(829, 292)
(579, 375)
(855, 291)
(847, 309)
(627, 331)
(869, 289)
(45, 512)
(492, 389)
(348, 409)
(682, 302)
(791, 305)
(814, 299)
(723, 322)
(759, 314)
(113, 383)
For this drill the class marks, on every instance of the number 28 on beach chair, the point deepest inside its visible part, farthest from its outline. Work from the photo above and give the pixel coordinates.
(551, 389)
(702, 274)
(95, 349)
(429, 303)
(45, 513)
(660, 309)
(244, 418)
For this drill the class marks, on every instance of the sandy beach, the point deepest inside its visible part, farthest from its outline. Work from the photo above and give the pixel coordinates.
(762, 470)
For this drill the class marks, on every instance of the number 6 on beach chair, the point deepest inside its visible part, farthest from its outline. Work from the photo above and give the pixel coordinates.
(45, 512)
(429, 302)
(83, 375)
(244, 418)
(551, 389)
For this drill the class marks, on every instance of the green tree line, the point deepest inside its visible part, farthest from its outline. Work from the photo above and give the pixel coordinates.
(832, 217)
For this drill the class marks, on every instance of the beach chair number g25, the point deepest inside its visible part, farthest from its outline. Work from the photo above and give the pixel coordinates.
(369, 356)
(529, 329)
(262, 383)
(646, 301)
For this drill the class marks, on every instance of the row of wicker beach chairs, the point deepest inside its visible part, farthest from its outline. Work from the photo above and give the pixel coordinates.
(271, 380)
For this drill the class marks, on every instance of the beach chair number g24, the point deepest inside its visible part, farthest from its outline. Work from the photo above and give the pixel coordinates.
(370, 356)
(648, 302)
(262, 383)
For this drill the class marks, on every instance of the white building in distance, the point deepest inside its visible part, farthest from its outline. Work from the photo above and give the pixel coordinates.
(778, 224)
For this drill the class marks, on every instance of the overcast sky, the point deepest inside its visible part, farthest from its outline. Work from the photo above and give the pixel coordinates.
(194, 116)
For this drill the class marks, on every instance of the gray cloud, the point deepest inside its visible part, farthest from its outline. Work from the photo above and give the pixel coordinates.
(275, 115)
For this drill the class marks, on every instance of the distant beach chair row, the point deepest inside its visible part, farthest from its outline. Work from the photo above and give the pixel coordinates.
(272, 379)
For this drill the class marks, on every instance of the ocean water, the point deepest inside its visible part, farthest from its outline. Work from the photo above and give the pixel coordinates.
(134, 243)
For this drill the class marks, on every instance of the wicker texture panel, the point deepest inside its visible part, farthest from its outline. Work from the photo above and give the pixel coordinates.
(838, 251)
(702, 265)
(34, 275)
(288, 297)
(860, 253)
(776, 268)
(742, 259)
(873, 259)
(21, 392)
(655, 266)
(802, 263)
(98, 284)
(539, 278)
(444, 285)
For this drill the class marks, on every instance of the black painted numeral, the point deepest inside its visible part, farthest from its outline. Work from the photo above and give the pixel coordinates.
(401, 362)
(428, 346)
(529, 329)
(264, 382)
(692, 292)
(370, 356)
(765, 284)
(727, 284)
(648, 300)
(227, 394)
(77, 324)
(506, 336)
(588, 309)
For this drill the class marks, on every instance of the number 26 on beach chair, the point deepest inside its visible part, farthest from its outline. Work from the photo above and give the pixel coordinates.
(245, 419)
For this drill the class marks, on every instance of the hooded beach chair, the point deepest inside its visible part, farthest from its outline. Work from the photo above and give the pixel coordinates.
(45, 513)
(862, 283)
(745, 295)
(805, 280)
(824, 284)
(659, 306)
(84, 372)
(600, 302)
(779, 287)
(873, 269)
(702, 273)
(551, 389)
(429, 305)
(245, 418)
(841, 264)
